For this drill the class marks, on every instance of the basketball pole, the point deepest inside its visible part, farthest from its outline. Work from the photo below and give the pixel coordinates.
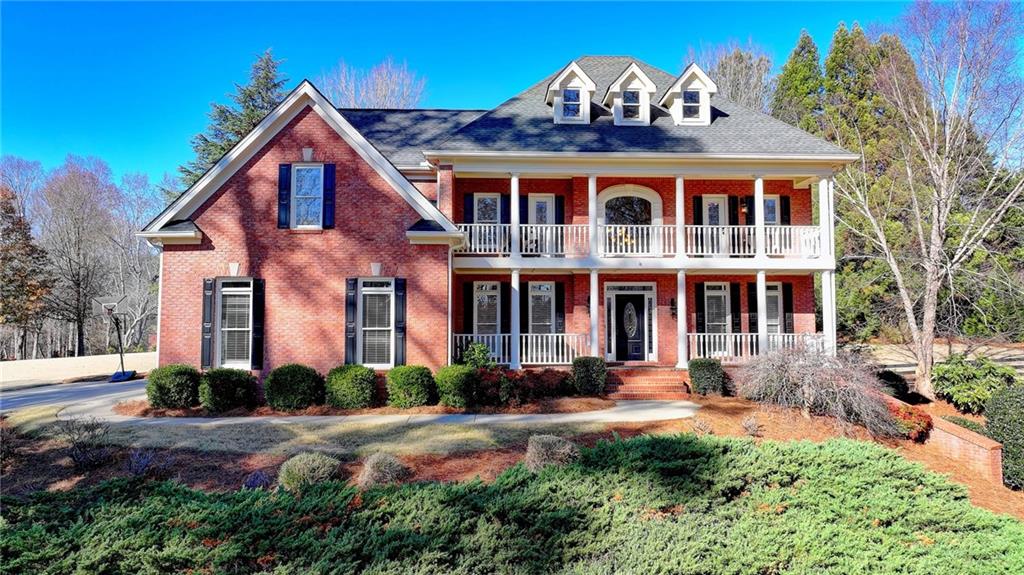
(120, 344)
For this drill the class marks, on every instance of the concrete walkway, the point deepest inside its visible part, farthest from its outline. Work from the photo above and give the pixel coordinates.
(98, 399)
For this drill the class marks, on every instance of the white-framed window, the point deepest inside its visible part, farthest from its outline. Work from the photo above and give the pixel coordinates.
(691, 104)
(572, 103)
(773, 305)
(376, 330)
(771, 210)
(486, 307)
(234, 323)
(717, 314)
(631, 105)
(542, 307)
(307, 209)
(486, 208)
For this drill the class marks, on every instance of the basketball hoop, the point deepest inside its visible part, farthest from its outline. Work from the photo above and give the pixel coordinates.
(109, 307)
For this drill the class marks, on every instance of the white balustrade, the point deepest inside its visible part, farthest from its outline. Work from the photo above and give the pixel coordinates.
(552, 348)
(555, 239)
(813, 342)
(500, 345)
(638, 240)
(486, 239)
(741, 347)
(719, 241)
(793, 241)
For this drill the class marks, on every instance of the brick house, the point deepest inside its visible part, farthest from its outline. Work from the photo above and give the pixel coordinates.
(612, 209)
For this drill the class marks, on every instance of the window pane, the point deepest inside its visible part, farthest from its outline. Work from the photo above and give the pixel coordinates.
(631, 112)
(571, 110)
(571, 95)
(631, 97)
(714, 214)
(234, 311)
(308, 182)
(486, 309)
(540, 312)
(487, 210)
(540, 212)
(770, 212)
(307, 211)
(377, 346)
(376, 310)
(626, 210)
(234, 346)
(691, 111)
(691, 97)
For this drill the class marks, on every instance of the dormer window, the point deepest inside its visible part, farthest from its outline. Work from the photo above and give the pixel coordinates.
(571, 103)
(629, 97)
(691, 104)
(569, 95)
(688, 100)
(631, 105)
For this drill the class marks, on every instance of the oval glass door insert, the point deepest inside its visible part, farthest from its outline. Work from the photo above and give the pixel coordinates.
(629, 319)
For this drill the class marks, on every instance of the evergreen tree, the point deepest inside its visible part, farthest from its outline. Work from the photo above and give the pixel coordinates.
(24, 279)
(229, 124)
(798, 89)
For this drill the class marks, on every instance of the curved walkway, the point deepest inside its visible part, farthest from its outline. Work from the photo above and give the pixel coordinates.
(97, 400)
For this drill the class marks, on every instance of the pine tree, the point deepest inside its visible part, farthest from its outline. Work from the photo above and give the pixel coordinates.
(24, 280)
(799, 87)
(229, 124)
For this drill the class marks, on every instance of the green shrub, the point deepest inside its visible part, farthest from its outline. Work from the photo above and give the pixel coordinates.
(969, 383)
(293, 386)
(456, 385)
(223, 389)
(707, 376)
(589, 375)
(965, 423)
(478, 355)
(1005, 414)
(306, 469)
(410, 386)
(173, 386)
(351, 387)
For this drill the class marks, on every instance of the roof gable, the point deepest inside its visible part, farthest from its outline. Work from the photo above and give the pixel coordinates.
(618, 85)
(572, 70)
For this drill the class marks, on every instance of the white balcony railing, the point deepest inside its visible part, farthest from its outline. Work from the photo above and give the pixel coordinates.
(555, 239)
(793, 241)
(486, 239)
(638, 240)
(721, 241)
(740, 347)
(534, 348)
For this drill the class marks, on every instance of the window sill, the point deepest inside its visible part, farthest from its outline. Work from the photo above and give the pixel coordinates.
(301, 231)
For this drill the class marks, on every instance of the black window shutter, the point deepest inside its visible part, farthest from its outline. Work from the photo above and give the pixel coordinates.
(258, 308)
(787, 307)
(524, 206)
(559, 307)
(698, 308)
(524, 307)
(559, 209)
(734, 307)
(328, 196)
(749, 201)
(351, 295)
(468, 307)
(468, 208)
(284, 195)
(752, 308)
(734, 211)
(207, 341)
(784, 210)
(505, 296)
(506, 209)
(698, 211)
(400, 321)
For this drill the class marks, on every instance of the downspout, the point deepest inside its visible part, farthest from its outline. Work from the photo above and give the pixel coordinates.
(159, 304)
(448, 336)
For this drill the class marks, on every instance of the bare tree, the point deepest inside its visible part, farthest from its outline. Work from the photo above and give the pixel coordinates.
(743, 74)
(386, 85)
(23, 177)
(957, 97)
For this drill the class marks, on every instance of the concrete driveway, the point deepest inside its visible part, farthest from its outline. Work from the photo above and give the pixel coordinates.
(95, 393)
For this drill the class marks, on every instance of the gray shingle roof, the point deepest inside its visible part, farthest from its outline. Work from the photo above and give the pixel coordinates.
(402, 135)
(524, 124)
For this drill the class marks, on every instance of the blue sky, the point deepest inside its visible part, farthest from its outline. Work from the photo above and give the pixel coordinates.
(132, 83)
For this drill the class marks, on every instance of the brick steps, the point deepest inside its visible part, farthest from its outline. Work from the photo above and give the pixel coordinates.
(647, 383)
(637, 396)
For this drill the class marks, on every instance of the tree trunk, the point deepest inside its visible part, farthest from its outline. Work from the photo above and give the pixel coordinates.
(925, 343)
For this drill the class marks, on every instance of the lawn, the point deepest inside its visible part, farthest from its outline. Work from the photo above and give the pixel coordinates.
(653, 504)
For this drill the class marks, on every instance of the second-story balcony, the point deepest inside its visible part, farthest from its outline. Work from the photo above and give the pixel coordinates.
(574, 240)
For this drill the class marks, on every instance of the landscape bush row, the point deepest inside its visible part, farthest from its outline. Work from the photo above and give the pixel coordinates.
(1004, 415)
(294, 387)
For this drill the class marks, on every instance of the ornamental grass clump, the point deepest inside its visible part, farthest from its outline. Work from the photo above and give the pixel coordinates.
(545, 450)
(306, 469)
(381, 469)
(843, 387)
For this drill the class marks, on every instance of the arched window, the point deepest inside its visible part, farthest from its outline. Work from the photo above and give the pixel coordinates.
(629, 204)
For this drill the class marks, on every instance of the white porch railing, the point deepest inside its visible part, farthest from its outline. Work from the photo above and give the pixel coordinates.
(638, 240)
(740, 347)
(719, 240)
(793, 241)
(486, 239)
(552, 348)
(555, 239)
(500, 345)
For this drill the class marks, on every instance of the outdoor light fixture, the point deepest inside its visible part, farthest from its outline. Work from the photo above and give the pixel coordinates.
(307, 154)
(375, 269)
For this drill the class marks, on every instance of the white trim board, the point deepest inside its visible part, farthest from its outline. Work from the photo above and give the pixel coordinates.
(304, 95)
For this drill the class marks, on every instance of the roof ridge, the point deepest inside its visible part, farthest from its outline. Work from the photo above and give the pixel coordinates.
(352, 109)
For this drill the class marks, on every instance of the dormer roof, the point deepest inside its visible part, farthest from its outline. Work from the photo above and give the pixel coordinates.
(565, 77)
(692, 73)
(620, 83)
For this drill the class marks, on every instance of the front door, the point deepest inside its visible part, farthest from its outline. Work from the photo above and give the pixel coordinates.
(540, 211)
(717, 319)
(629, 327)
(716, 213)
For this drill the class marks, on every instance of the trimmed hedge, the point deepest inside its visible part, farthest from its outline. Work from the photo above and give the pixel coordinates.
(969, 383)
(589, 375)
(456, 385)
(411, 386)
(293, 386)
(223, 389)
(174, 386)
(351, 387)
(1005, 414)
(707, 376)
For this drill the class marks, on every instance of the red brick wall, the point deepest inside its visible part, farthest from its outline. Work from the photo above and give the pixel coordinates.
(305, 272)
(445, 191)
(803, 298)
(800, 200)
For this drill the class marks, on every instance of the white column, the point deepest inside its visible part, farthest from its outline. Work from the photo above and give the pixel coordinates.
(592, 213)
(825, 217)
(832, 218)
(595, 314)
(514, 362)
(682, 340)
(759, 242)
(514, 216)
(762, 312)
(680, 217)
(828, 311)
